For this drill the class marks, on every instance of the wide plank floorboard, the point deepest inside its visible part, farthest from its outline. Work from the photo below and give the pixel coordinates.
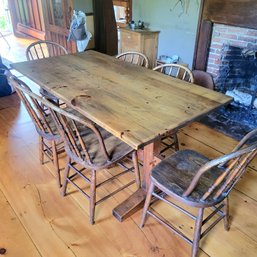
(50, 225)
(14, 238)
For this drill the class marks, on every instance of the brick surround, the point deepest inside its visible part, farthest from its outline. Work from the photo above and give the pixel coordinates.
(228, 35)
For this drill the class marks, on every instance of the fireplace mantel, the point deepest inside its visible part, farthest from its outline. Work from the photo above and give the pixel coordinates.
(241, 13)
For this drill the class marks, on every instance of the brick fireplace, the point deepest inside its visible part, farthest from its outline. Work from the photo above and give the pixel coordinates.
(243, 38)
(226, 47)
(233, 65)
(232, 61)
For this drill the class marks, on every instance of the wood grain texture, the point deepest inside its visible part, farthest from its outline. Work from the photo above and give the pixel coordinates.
(68, 217)
(106, 37)
(58, 226)
(202, 45)
(133, 103)
(13, 231)
(232, 12)
(241, 13)
(143, 41)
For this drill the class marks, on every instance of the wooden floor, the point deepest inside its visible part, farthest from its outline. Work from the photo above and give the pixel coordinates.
(16, 51)
(36, 221)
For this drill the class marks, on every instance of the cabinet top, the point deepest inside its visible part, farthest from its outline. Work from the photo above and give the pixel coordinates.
(142, 31)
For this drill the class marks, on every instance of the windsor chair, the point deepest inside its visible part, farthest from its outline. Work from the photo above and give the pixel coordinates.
(194, 180)
(50, 143)
(170, 141)
(93, 149)
(43, 49)
(134, 58)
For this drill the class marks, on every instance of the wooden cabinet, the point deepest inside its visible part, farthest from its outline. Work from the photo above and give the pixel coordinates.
(144, 41)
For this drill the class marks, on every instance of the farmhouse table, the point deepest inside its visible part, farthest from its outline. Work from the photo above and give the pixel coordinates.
(133, 103)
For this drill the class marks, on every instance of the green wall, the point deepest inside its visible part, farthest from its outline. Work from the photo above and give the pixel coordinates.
(84, 5)
(177, 25)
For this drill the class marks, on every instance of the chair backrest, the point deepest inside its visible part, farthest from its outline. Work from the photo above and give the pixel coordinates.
(203, 79)
(232, 165)
(176, 71)
(134, 58)
(44, 49)
(83, 141)
(41, 119)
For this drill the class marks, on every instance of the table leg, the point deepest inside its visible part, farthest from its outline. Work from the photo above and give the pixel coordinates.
(136, 200)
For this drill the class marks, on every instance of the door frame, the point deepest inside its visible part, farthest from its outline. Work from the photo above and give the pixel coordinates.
(33, 12)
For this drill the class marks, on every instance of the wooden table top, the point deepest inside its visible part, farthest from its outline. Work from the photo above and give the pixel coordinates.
(133, 103)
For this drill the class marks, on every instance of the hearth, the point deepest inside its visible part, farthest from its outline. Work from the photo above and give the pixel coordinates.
(232, 62)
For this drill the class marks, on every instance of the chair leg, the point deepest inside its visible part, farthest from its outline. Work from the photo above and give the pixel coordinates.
(92, 196)
(197, 232)
(66, 175)
(174, 145)
(136, 168)
(147, 203)
(56, 163)
(226, 212)
(41, 150)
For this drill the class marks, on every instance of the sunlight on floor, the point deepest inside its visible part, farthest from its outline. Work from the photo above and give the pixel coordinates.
(18, 45)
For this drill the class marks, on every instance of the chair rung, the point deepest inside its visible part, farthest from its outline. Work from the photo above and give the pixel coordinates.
(213, 213)
(75, 169)
(170, 227)
(174, 205)
(49, 148)
(48, 151)
(48, 155)
(167, 147)
(115, 192)
(114, 177)
(78, 172)
(211, 226)
(81, 190)
(124, 166)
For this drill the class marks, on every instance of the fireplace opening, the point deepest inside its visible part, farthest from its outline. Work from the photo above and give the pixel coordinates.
(232, 62)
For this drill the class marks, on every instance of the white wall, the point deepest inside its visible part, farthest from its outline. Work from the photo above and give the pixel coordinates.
(177, 25)
(84, 5)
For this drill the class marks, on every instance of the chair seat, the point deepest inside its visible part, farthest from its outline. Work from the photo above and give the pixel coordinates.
(114, 146)
(116, 149)
(177, 171)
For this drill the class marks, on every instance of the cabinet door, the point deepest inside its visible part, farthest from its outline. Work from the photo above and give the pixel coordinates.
(130, 41)
(58, 14)
(150, 48)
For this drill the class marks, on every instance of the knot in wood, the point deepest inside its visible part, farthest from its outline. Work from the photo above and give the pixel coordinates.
(2, 251)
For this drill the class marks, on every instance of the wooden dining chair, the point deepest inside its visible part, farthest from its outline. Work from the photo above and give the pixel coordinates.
(203, 78)
(50, 142)
(193, 180)
(44, 49)
(134, 58)
(92, 149)
(177, 71)
(170, 140)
